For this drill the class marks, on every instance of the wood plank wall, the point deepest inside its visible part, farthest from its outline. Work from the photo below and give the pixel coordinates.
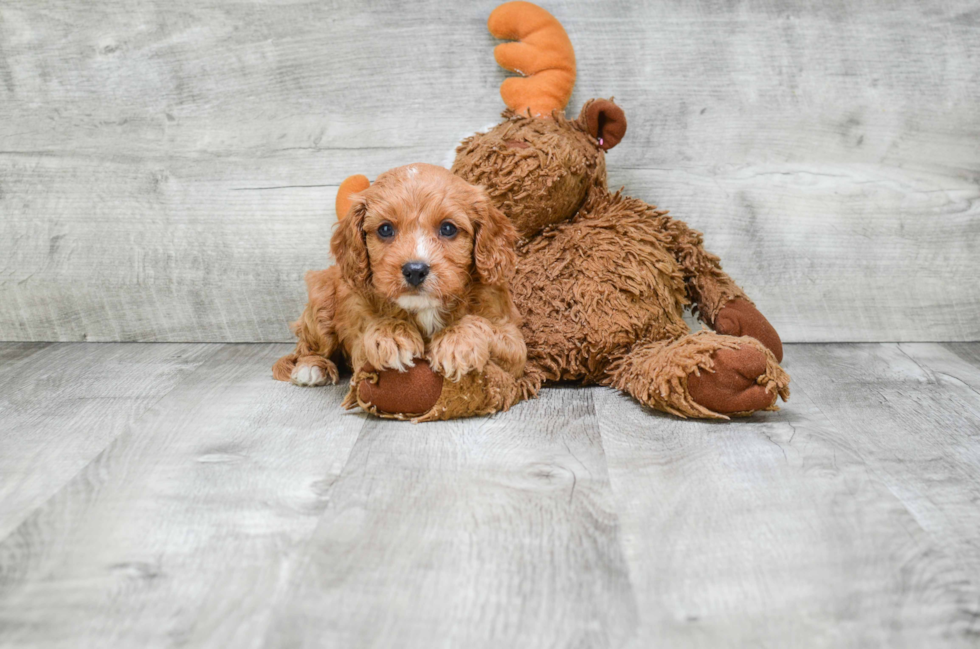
(168, 169)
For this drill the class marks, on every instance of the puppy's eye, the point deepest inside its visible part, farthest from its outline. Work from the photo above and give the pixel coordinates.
(448, 229)
(386, 230)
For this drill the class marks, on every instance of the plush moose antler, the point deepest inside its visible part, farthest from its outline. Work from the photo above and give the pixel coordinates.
(543, 55)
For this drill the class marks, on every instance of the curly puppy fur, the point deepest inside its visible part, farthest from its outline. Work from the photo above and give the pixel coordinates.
(460, 317)
(603, 279)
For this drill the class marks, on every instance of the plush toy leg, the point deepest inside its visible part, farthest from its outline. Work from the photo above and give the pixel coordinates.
(422, 395)
(704, 375)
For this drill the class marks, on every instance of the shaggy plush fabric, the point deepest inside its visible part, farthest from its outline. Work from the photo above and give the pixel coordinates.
(536, 170)
(660, 374)
(603, 279)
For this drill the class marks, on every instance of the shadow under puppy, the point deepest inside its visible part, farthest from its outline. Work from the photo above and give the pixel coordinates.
(424, 261)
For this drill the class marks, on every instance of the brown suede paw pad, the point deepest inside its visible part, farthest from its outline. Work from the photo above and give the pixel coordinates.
(741, 318)
(412, 392)
(733, 384)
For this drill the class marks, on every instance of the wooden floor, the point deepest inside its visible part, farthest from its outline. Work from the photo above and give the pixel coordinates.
(162, 495)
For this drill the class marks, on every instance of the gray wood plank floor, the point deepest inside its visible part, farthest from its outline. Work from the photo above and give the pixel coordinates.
(174, 495)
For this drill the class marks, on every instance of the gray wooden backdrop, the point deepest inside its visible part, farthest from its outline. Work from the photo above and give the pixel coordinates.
(168, 169)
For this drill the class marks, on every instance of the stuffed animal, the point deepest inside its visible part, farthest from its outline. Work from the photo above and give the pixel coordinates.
(602, 279)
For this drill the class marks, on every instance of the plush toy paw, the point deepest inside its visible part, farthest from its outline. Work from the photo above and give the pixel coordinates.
(738, 382)
(420, 394)
(741, 318)
(392, 345)
(412, 392)
(460, 350)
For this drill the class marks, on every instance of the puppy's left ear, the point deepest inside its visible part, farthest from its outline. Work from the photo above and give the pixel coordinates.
(495, 242)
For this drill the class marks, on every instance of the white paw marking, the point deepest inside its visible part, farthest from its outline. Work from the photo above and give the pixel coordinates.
(308, 375)
(401, 361)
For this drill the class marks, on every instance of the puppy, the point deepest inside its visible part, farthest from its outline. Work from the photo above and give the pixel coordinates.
(423, 266)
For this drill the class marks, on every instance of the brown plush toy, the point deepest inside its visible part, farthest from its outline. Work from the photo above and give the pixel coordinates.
(602, 279)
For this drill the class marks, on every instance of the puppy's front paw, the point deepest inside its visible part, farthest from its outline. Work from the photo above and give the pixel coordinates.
(457, 352)
(313, 371)
(392, 345)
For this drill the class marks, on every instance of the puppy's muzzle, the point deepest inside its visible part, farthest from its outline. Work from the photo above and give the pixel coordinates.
(415, 272)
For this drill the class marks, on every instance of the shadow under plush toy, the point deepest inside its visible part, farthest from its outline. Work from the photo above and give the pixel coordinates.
(602, 279)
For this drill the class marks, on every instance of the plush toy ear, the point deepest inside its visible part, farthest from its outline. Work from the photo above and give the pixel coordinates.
(349, 244)
(494, 243)
(605, 121)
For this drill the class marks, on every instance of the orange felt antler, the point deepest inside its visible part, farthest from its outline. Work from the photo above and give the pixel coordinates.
(351, 185)
(543, 56)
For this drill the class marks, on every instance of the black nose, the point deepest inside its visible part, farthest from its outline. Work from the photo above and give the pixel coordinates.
(415, 272)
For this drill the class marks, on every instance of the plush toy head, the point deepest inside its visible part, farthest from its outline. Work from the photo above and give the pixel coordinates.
(540, 166)
(541, 169)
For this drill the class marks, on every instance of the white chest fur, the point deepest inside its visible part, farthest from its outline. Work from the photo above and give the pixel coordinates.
(429, 321)
(427, 311)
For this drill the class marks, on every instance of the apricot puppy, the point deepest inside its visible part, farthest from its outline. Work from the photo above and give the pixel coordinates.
(424, 261)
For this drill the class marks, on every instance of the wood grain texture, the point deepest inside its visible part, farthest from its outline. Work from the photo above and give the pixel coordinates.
(468, 534)
(915, 413)
(779, 530)
(242, 512)
(167, 170)
(183, 530)
(61, 405)
(12, 353)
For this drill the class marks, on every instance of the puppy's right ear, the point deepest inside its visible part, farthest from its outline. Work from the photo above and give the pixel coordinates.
(495, 242)
(349, 244)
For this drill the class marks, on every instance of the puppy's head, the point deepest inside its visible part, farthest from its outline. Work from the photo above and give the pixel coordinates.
(421, 236)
